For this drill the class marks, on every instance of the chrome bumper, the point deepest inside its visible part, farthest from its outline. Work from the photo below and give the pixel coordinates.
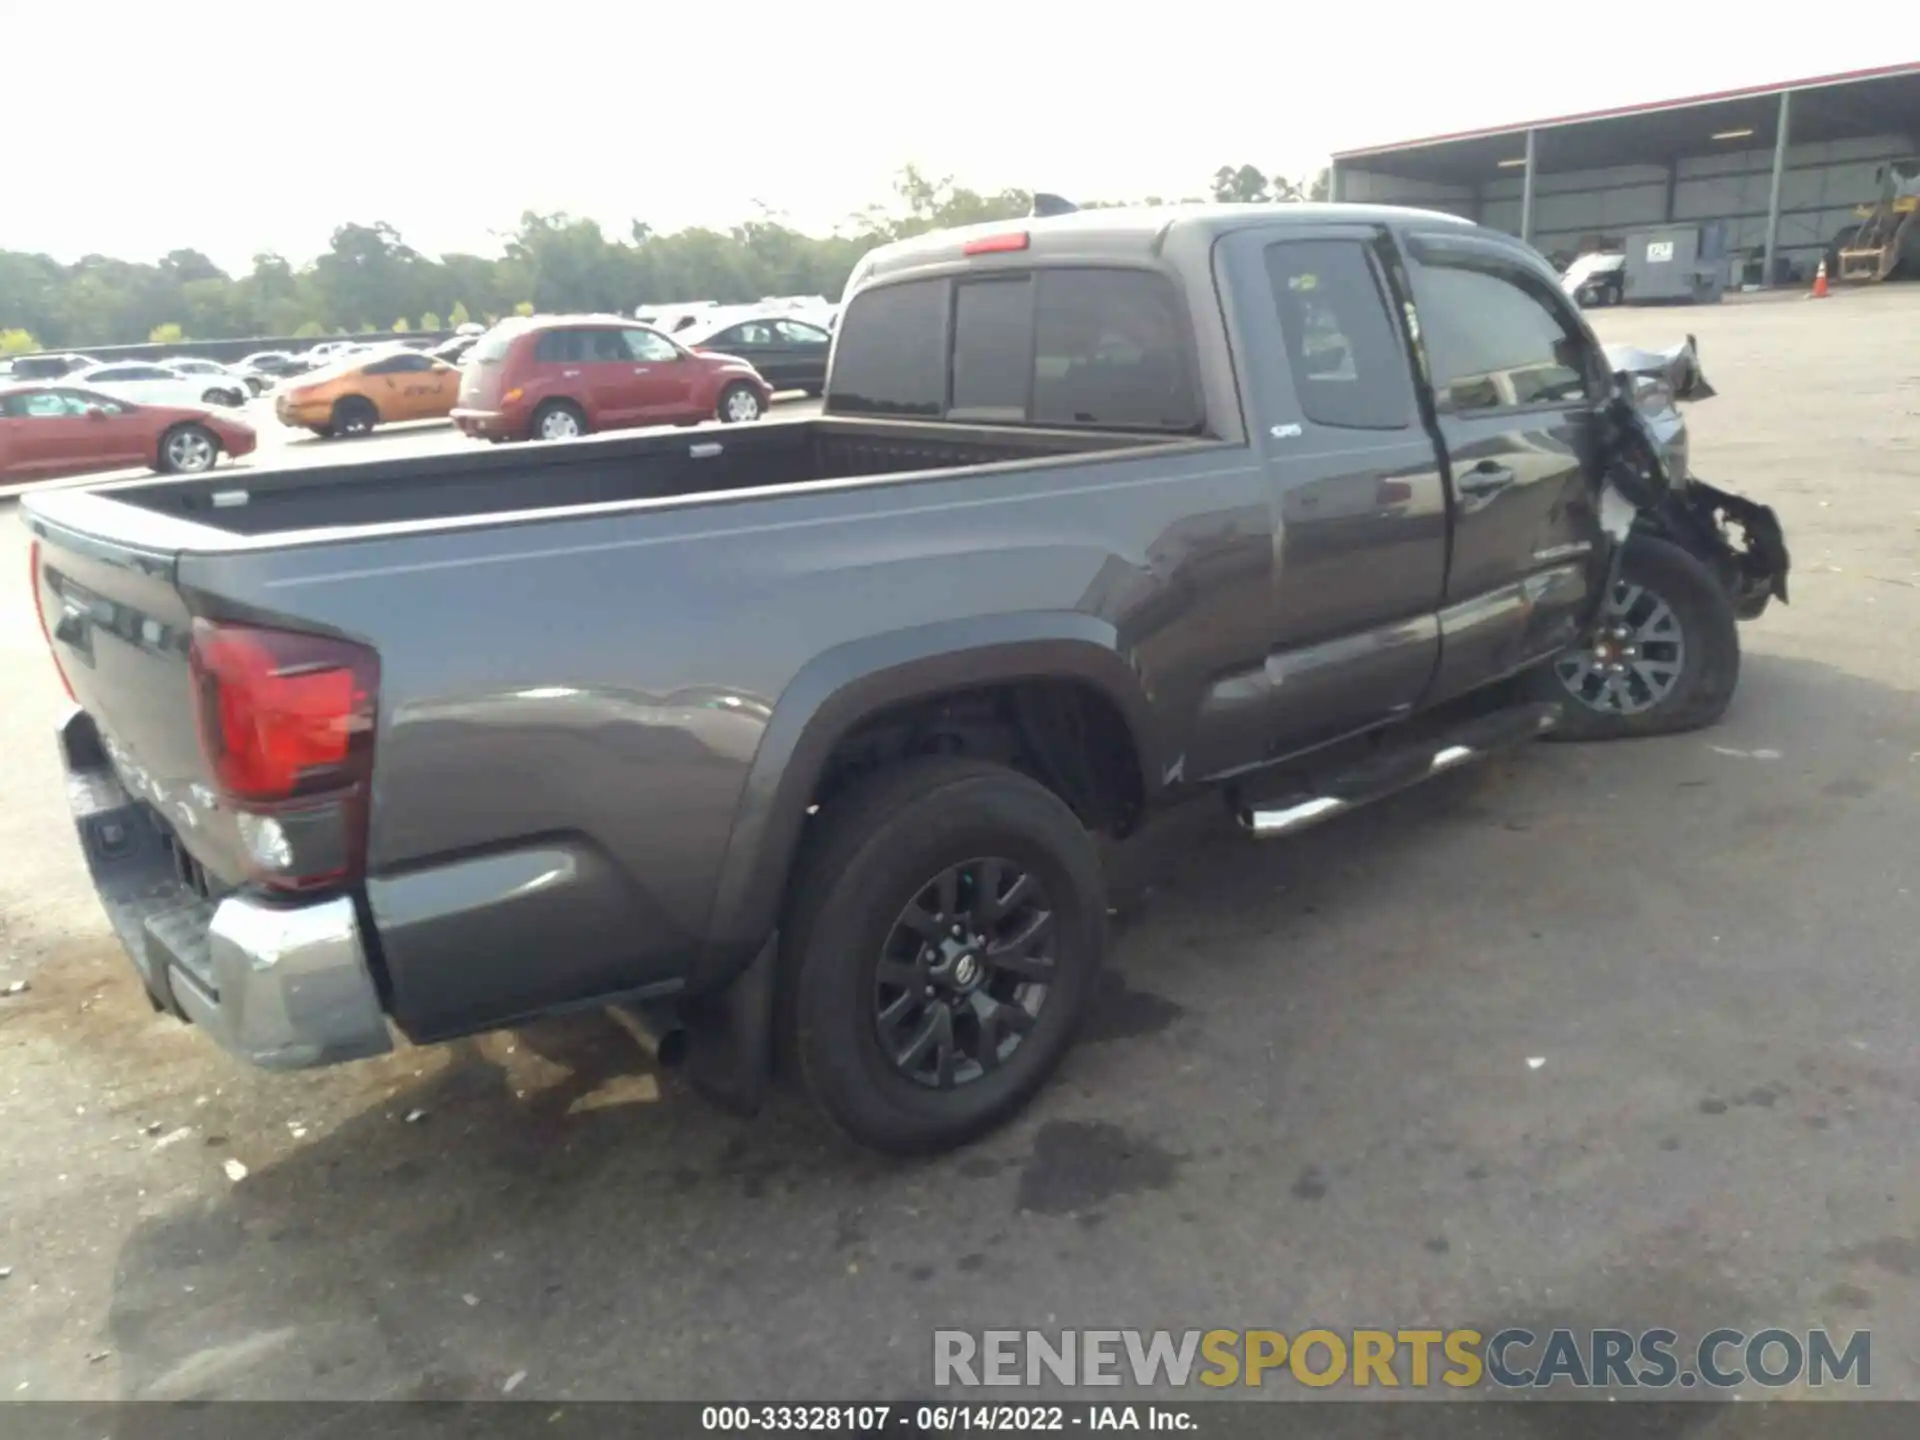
(285, 986)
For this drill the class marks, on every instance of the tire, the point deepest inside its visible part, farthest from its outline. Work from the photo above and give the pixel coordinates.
(187, 450)
(879, 854)
(322, 432)
(1692, 649)
(354, 415)
(559, 420)
(739, 404)
(814, 392)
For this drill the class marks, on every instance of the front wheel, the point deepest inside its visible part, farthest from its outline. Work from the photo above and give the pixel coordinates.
(739, 404)
(188, 450)
(948, 926)
(1663, 657)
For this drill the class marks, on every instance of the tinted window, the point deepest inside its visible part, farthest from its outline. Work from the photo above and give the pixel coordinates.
(794, 333)
(892, 358)
(736, 336)
(1493, 342)
(992, 349)
(560, 346)
(645, 345)
(1110, 349)
(1348, 367)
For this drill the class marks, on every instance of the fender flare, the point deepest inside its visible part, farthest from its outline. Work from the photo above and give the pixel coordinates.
(840, 688)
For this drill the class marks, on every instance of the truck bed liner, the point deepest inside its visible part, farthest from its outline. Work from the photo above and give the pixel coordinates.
(483, 482)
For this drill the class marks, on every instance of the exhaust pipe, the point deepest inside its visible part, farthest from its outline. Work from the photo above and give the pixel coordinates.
(660, 1029)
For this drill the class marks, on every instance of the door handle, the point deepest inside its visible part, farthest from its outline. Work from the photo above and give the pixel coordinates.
(1485, 479)
(640, 369)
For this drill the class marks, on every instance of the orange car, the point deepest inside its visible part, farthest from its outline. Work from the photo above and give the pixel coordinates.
(352, 397)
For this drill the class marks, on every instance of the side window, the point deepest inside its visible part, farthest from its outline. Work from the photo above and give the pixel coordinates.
(1111, 349)
(559, 347)
(645, 345)
(606, 345)
(44, 405)
(892, 358)
(792, 332)
(1492, 343)
(1348, 367)
(736, 336)
(992, 349)
(147, 372)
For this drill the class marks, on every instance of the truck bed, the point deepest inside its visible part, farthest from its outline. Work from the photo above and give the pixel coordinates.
(490, 482)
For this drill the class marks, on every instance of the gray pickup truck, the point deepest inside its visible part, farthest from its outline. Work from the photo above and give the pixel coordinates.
(795, 740)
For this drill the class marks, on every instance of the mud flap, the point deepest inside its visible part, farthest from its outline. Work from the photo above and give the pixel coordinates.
(730, 1034)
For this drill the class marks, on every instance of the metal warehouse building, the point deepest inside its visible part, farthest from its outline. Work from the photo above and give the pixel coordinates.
(1783, 165)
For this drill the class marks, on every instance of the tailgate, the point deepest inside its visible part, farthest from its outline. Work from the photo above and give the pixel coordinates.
(119, 629)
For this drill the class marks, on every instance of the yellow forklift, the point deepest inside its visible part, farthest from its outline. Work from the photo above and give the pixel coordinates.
(1888, 239)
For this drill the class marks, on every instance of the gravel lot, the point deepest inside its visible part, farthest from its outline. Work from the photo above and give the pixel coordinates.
(1308, 1099)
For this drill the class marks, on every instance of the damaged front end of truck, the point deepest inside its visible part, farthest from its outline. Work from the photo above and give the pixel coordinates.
(1652, 488)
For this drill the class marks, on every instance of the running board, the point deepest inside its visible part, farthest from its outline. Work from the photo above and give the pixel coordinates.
(1322, 797)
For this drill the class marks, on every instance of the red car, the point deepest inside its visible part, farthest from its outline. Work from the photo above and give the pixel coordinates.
(555, 377)
(50, 430)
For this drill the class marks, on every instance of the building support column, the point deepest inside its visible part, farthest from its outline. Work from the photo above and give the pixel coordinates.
(1673, 184)
(1333, 182)
(1526, 193)
(1773, 195)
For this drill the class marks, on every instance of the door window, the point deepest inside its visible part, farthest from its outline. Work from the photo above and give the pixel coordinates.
(1495, 340)
(1348, 366)
(645, 345)
(792, 332)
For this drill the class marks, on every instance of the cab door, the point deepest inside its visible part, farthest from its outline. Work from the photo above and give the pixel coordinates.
(1353, 479)
(1517, 384)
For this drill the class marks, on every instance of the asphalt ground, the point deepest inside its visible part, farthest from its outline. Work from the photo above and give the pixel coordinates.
(1611, 1035)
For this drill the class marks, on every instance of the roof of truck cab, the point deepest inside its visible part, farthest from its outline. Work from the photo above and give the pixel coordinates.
(1129, 230)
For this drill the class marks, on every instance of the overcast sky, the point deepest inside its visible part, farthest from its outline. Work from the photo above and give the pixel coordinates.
(234, 127)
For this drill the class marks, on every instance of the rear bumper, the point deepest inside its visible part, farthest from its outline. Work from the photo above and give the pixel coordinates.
(488, 424)
(285, 986)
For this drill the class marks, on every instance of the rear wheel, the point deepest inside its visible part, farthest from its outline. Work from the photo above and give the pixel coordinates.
(354, 415)
(739, 404)
(946, 931)
(1663, 657)
(559, 420)
(187, 450)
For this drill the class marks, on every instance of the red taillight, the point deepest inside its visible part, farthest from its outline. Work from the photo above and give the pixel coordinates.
(40, 613)
(286, 721)
(995, 244)
(282, 714)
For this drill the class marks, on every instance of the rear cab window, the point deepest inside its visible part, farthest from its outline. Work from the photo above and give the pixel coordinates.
(1063, 346)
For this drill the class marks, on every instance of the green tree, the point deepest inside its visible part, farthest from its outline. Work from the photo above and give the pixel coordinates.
(401, 327)
(1240, 184)
(431, 321)
(17, 342)
(525, 307)
(168, 334)
(458, 316)
(311, 330)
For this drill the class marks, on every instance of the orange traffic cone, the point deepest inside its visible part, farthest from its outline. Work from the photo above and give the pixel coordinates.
(1819, 282)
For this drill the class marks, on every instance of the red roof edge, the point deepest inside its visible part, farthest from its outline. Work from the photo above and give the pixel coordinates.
(1906, 67)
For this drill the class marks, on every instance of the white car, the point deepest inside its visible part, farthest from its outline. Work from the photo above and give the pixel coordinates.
(146, 384)
(212, 371)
